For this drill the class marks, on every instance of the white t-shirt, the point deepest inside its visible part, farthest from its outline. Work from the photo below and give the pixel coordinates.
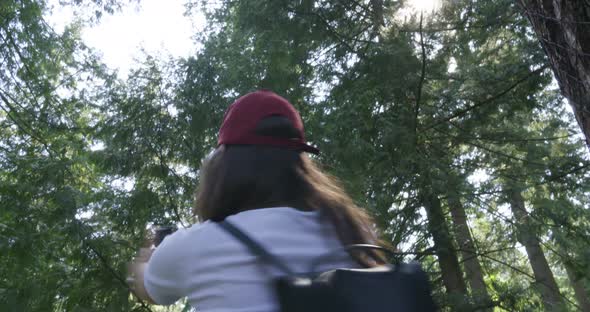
(217, 273)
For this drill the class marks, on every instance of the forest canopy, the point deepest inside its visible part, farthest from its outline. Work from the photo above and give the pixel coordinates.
(448, 127)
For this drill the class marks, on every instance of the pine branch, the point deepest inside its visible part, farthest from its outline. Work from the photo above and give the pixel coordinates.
(109, 268)
(489, 100)
(420, 82)
(22, 125)
(529, 276)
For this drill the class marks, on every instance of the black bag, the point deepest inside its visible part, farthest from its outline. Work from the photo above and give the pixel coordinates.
(400, 288)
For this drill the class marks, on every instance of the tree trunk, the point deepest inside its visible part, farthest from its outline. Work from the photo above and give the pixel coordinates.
(563, 28)
(443, 245)
(579, 291)
(543, 275)
(378, 20)
(471, 264)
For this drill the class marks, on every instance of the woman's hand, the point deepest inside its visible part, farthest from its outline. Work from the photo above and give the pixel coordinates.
(136, 269)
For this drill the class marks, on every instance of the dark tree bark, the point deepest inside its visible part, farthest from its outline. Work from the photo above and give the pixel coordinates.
(378, 20)
(579, 290)
(445, 251)
(473, 271)
(563, 28)
(543, 276)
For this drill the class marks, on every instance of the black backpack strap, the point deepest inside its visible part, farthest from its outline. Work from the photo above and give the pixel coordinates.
(255, 247)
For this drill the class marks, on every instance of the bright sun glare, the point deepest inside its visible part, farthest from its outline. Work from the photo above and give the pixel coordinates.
(155, 26)
(159, 27)
(423, 5)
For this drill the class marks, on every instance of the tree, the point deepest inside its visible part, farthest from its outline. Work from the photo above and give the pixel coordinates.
(423, 118)
(52, 258)
(473, 269)
(526, 235)
(563, 29)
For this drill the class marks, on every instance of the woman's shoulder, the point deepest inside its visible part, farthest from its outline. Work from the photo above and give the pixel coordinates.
(188, 235)
(264, 219)
(273, 213)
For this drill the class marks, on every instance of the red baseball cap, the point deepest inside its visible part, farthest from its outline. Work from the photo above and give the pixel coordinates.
(242, 117)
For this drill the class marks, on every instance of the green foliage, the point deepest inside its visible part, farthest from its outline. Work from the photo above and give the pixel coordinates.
(404, 111)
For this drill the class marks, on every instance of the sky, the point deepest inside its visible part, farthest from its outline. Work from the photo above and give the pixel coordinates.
(156, 26)
(161, 27)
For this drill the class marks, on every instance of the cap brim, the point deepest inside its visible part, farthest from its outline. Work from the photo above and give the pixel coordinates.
(309, 149)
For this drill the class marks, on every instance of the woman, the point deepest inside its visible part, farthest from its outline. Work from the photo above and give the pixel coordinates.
(261, 180)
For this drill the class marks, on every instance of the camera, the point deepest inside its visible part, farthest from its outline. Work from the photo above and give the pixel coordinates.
(161, 232)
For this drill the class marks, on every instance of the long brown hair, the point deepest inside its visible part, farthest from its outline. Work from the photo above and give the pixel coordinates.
(236, 178)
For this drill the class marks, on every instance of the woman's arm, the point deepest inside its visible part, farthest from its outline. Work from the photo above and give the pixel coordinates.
(157, 275)
(137, 272)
